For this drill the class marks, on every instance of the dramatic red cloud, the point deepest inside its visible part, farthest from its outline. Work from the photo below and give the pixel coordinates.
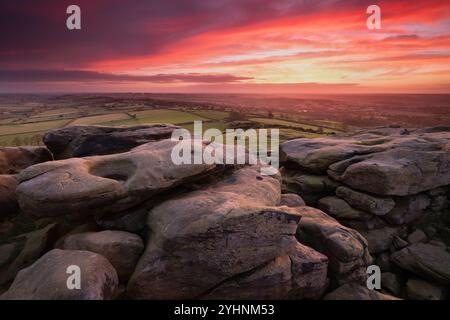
(278, 46)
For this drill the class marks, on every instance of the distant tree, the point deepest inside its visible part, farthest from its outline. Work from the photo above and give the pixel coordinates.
(270, 115)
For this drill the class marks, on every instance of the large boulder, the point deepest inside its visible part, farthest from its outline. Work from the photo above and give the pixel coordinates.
(47, 278)
(302, 274)
(345, 248)
(400, 171)
(226, 229)
(425, 260)
(121, 248)
(83, 140)
(316, 155)
(340, 209)
(382, 163)
(352, 291)
(8, 198)
(15, 159)
(104, 184)
(291, 200)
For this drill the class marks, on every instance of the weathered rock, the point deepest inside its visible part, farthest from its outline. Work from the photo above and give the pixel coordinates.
(83, 141)
(369, 203)
(340, 209)
(391, 282)
(291, 200)
(427, 261)
(47, 278)
(318, 154)
(224, 230)
(14, 159)
(8, 198)
(302, 274)
(379, 239)
(400, 172)
(23, 250)
(122, 249)
(345, 248)
(408, 209)
(417, 289)
(352, 291)
(417, 236)
(399, 243)
(104, 184)
(383, 163)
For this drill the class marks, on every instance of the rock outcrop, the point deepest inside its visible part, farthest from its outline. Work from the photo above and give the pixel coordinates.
(141, 226)
(428, 261)
(104, 184)
(391, 185)
(84, 140)
(122, 249)
(48, 278)
(229, 229)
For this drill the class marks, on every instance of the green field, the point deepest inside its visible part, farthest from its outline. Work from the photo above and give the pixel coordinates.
(210, 114)
(292, 124)
(10, 129)
(156, 116)
(100, 119)
(29, 130)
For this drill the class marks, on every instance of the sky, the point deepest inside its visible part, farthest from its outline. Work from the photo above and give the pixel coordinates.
(225, 46)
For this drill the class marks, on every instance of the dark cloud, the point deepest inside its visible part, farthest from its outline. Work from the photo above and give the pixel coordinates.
(33, 33)
(76, 75)
(403, 37)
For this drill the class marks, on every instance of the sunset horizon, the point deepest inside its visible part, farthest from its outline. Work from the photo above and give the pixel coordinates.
(279, 47)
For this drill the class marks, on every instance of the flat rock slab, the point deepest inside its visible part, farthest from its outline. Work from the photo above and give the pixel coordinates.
(83, 141)
(122, 249)
(340, 209)
(425, 260)
(104, 184)
(369, 203)
(47, 278)
(15, 159)
(215, 234)
(381, 164)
